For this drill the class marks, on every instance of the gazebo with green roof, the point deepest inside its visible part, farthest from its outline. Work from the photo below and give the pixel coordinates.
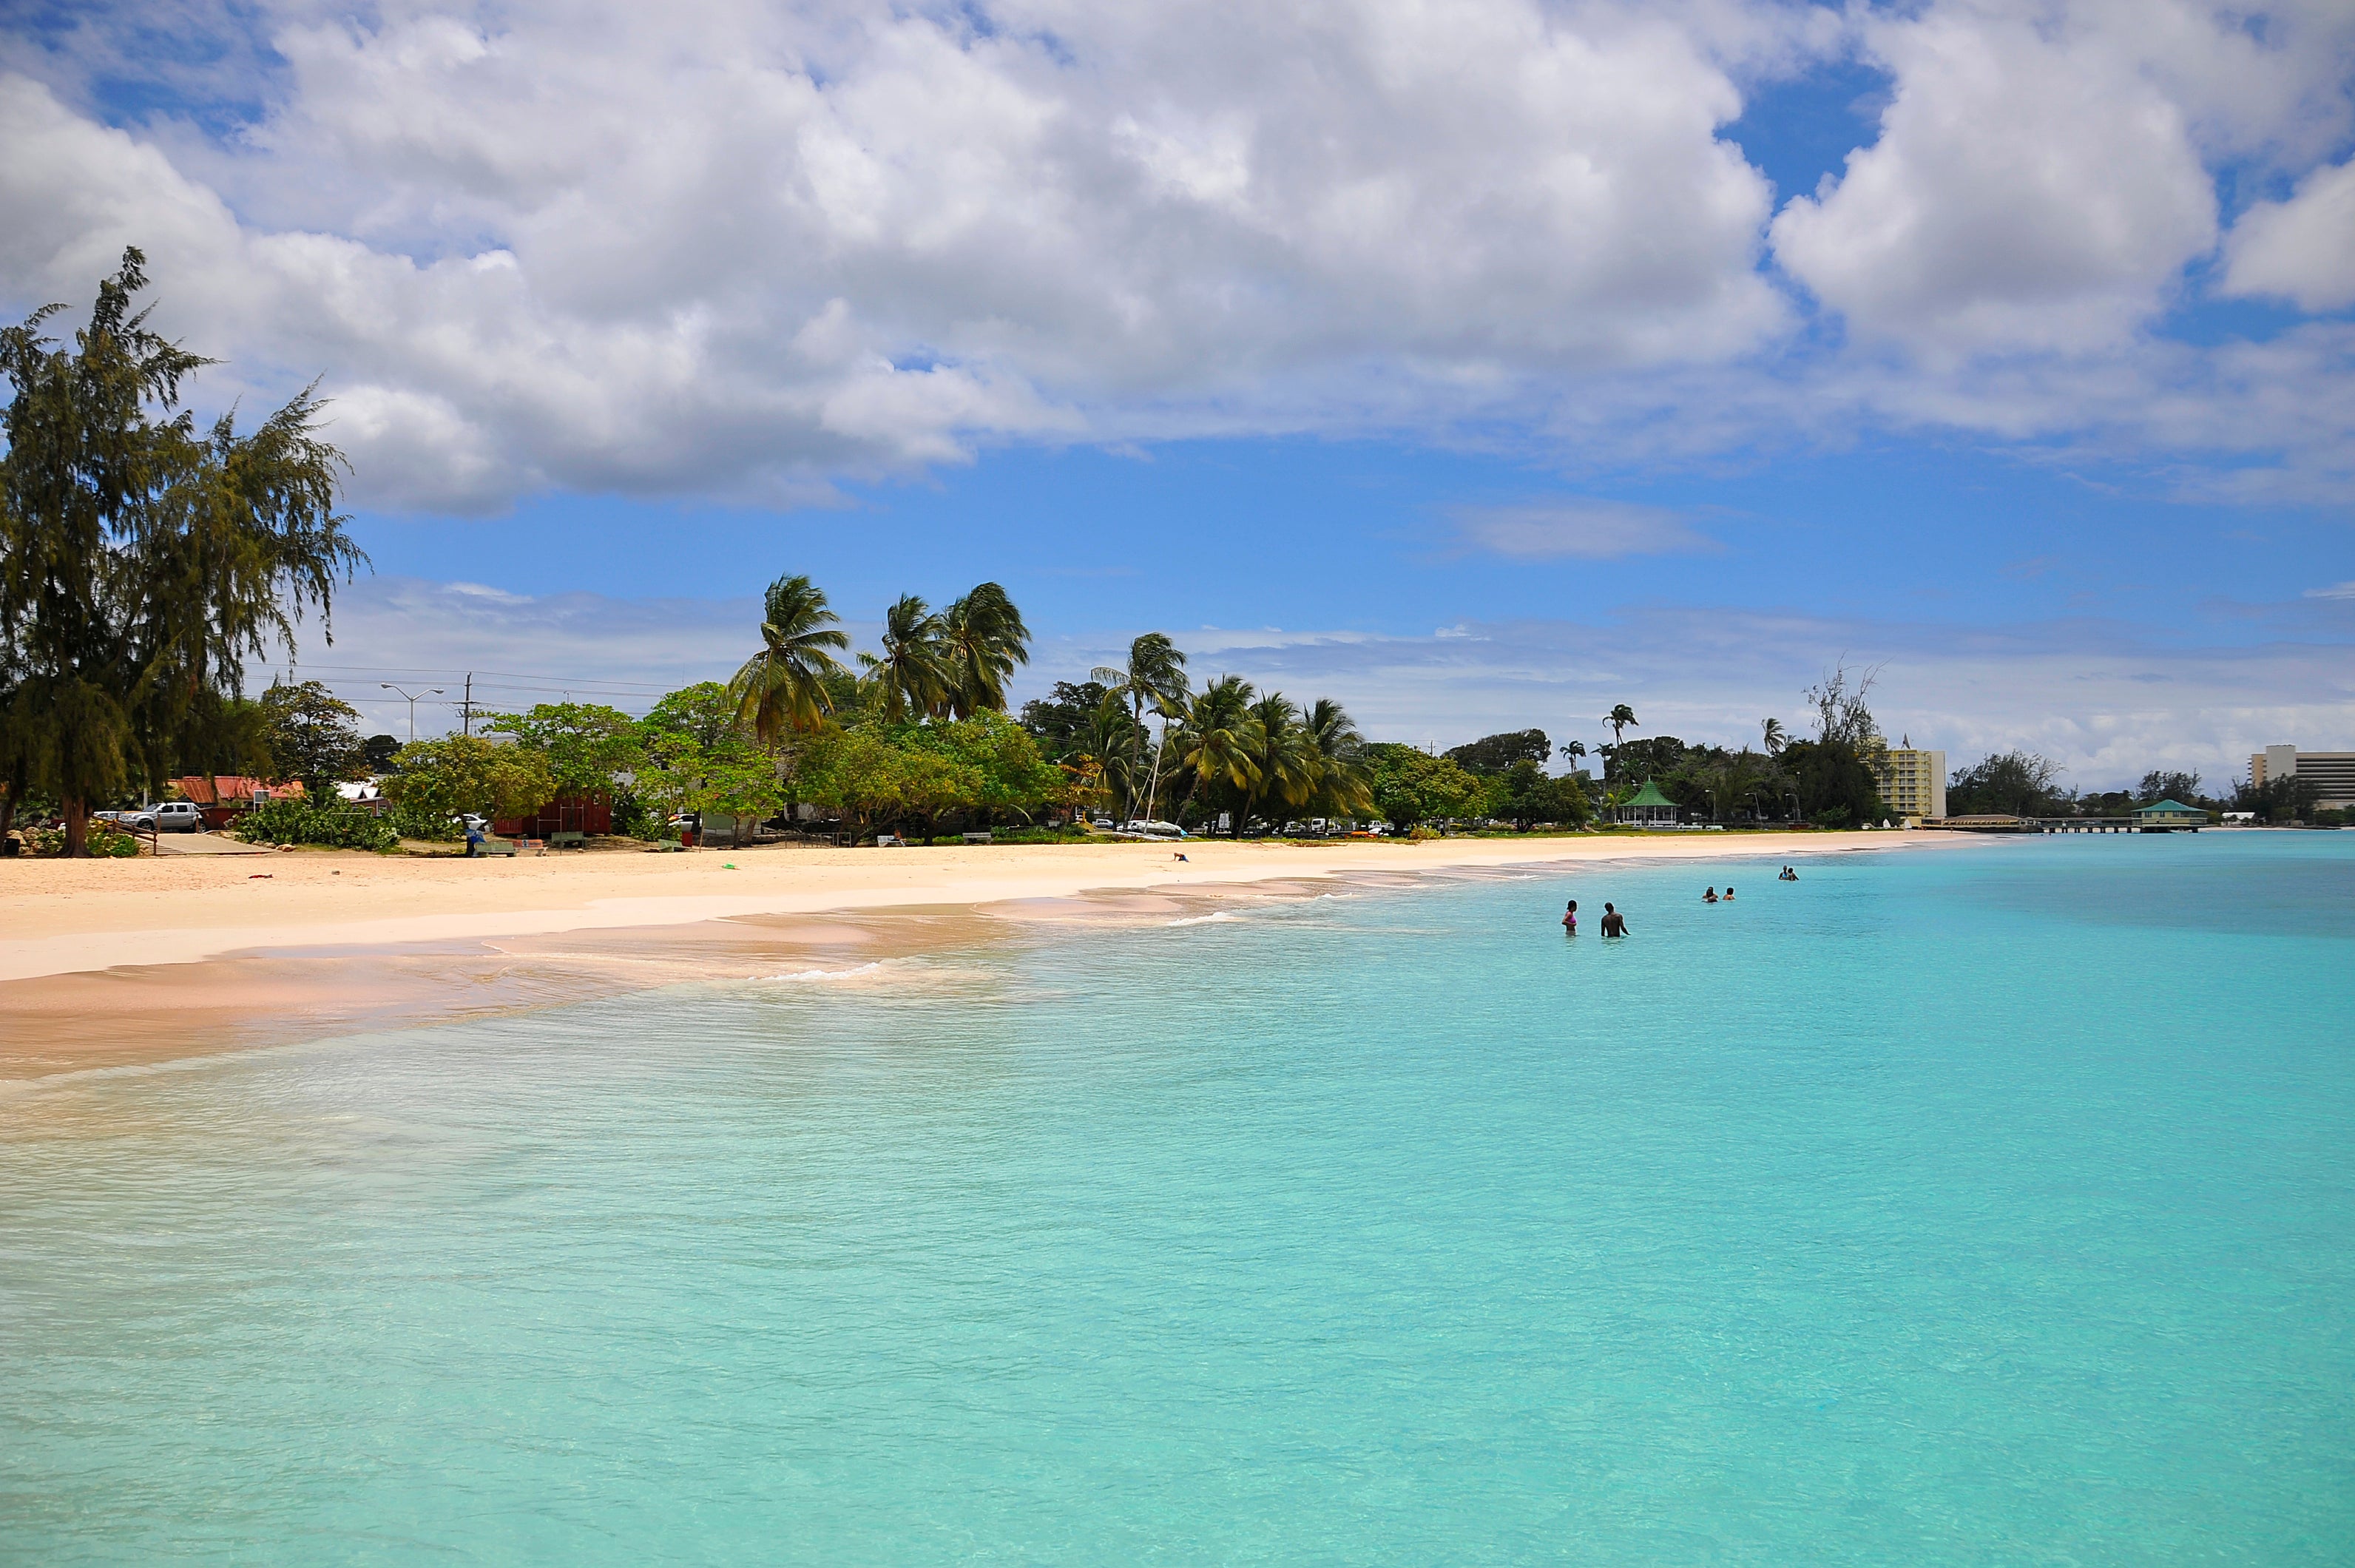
(2170, 817)
(1648, 807)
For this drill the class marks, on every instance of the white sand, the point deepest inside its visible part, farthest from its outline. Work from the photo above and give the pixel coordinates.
(59, 917)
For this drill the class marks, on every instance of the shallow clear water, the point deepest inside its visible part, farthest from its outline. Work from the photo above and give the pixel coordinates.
(1987, 1206)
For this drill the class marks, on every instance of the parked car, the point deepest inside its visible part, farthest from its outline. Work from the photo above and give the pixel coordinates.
(172, 816)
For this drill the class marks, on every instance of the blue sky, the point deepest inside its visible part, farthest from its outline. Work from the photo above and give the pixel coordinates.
(1481, 364)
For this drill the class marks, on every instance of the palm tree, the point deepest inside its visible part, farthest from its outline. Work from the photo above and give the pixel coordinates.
(1343, 785)
(1287, 764)
(1621, 717)
(984, 639)
(1775, 738)
(1156, 677)
(1572, 752)
(912, 676)
(1110, 739)
(782, 686)
(1217, 744)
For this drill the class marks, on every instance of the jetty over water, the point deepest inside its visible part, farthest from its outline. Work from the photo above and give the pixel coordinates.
(2165, 816)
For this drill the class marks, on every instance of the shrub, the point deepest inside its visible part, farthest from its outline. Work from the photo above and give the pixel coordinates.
(106, 841)
(337, 827)
(414, 821)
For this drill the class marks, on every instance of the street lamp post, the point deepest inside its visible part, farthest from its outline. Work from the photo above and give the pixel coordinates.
(413, 705)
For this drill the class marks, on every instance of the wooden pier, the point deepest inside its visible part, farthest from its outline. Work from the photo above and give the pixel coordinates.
(2000, 824)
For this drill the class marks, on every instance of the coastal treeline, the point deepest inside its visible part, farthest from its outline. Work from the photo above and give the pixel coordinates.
(915, 738)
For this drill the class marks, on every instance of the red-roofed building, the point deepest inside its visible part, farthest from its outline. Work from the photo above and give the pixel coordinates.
(223, 795)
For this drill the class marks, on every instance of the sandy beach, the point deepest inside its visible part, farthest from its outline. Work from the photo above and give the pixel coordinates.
(112, 962)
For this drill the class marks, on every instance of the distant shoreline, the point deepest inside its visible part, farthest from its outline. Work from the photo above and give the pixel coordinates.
(60, 917)
(107, 965)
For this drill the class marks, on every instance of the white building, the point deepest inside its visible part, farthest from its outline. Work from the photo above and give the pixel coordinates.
(2333, 773)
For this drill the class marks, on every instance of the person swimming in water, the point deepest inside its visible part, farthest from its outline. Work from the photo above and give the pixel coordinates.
(1729, 892)
(1570, 918)
(1709, 897)
(1614, 922)
(1788, 875)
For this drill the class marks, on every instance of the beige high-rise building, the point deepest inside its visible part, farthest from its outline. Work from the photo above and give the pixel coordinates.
(1912, 781)
(2333, 773)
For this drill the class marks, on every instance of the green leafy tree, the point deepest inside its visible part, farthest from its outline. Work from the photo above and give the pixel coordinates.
(1057, 720)
(1661, 758)
(1495, 753)
(2296, 798)
(1411, 787)
(1525, 796)
(704, 713)
(439, 779)
(2015, 783)
(873, 777)
(587, 745)
(983, 637)
(380, 750)
(783, 686)
(141, 562)
(697, 757)
(313, 735)
(1834, 787)
(2158, 784)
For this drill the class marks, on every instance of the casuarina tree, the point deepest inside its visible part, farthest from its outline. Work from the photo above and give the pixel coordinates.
(143, 562)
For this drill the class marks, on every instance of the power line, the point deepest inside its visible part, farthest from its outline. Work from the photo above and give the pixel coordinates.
(434, 672)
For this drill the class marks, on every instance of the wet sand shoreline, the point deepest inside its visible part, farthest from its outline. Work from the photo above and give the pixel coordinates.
(440, 940)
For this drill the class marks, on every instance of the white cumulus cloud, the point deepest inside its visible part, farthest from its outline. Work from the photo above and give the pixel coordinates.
(731, 249)
(2301, 250)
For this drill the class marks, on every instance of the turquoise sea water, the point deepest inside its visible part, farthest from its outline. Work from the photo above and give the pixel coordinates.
(1985, 1206)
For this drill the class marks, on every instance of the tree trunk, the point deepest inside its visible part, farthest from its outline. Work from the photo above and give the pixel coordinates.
(77, 815)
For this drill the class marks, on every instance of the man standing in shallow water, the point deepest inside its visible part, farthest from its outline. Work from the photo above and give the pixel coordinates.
(1614, 922)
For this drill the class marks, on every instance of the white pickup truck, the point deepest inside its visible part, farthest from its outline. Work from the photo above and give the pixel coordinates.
(172, 816)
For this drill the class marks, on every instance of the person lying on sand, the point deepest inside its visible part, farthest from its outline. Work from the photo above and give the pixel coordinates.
(1614, 922)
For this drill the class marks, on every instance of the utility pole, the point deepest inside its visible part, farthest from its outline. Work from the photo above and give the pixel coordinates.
(388, 685)
(466, 708)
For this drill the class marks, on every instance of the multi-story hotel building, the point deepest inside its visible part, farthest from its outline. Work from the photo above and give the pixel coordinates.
(1913, 782)
(2333, 773)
